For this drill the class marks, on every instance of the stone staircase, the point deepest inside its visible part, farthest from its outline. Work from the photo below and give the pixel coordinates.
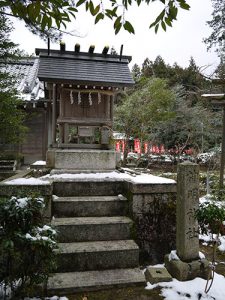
(95, 246)
(7, 166)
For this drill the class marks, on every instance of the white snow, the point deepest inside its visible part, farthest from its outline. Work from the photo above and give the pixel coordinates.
(192, 289)
(38, 237)
(27, 181)
(201, 255)
(142, 178)
(173, 255)
(39, 163)
(51, 298)
(221, 247)
(21, 202)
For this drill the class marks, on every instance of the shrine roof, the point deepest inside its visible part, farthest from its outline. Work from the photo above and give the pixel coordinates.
(83, 68)
(25, 72)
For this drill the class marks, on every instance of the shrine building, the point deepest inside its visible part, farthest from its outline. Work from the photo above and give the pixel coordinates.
(76, 107)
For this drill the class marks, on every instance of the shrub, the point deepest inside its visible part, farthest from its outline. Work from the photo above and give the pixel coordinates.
(26, 245)
(210, 216)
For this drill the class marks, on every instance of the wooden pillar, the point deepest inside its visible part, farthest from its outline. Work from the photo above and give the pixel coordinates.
(54, 100)
(66, 133)
(108, 107)
(111, 106)
(49, 117)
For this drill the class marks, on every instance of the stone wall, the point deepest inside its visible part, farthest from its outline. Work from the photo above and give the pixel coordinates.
(153, 209)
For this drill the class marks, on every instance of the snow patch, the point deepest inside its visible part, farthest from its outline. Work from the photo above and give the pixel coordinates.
(142, 178)
(221, 247)
(192, 289)
(39, 163)
(173, 255)
(201, 255)
(27, 181)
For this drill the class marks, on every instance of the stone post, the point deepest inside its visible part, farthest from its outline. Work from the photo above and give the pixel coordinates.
(187, 265)
(187, 242)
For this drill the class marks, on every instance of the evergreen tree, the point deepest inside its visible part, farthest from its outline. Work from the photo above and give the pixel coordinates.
(11, 116)
(217, 24)
(136, 72)
(147, 69)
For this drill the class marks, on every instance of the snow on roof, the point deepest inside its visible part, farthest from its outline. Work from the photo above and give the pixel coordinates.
(25, 71)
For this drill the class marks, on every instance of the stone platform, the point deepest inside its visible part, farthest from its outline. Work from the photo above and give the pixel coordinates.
(81, 159)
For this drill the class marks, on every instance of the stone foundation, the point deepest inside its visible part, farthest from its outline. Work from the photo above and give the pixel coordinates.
(153, 209)
(81, 159)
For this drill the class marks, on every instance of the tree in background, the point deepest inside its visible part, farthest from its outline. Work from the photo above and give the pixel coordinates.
(217, 24)
(191, 127)
(12, 129)
(140, 110)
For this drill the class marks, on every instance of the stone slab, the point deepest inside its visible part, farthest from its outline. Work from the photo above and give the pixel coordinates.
(152, 188)
(79, 187)
(92, 228)
(86, 206)
(97, 255)
(85, 159)
(74, 282)
(156, 274)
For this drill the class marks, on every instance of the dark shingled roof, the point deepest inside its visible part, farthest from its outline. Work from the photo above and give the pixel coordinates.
(83, 68)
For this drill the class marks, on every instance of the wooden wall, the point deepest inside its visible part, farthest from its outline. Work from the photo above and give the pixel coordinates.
(35, 146)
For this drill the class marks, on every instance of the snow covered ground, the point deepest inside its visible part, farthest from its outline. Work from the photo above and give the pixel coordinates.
(191, 290)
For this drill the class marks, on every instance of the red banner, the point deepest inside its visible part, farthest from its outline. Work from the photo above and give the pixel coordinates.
(146, 147)
(137, 146)
(117, 146)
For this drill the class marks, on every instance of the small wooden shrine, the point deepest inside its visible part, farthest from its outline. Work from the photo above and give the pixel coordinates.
(80, 88)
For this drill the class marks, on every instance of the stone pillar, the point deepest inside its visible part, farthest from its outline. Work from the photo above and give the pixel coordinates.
(187, 242)
(187, 265)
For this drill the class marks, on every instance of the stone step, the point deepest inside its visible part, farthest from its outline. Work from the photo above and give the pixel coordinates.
(92, 228)
(91, 206)
(74, 282)
(7, 167)
(97, 255)
(82, 187)
(7, 162)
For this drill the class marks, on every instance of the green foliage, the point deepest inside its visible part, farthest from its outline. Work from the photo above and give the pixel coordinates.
(47, 15)
(26, 245)
(210, 216)
(188, 128)
(150, 103)
(12, 129)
